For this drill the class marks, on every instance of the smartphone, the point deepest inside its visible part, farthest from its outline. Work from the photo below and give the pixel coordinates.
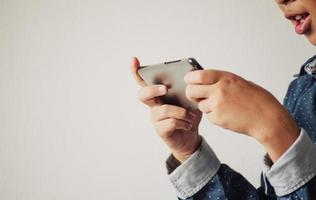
(171, 75)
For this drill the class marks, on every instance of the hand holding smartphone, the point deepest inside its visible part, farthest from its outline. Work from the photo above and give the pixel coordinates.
(171, 74)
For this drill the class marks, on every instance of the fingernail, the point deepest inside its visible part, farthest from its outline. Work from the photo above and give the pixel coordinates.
(162, 89)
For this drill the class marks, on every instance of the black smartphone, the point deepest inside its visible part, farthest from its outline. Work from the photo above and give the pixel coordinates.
(171, 74)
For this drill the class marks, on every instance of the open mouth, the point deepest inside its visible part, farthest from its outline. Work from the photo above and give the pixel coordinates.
(302, 22)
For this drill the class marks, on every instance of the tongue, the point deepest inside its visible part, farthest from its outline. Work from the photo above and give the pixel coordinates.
(300, 28)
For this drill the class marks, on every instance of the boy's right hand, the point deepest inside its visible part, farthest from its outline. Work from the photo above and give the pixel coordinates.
(176, 126)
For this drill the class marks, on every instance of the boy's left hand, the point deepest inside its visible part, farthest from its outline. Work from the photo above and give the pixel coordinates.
(242, 106)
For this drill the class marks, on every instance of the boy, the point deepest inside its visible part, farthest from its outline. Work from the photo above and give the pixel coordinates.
(288, 132)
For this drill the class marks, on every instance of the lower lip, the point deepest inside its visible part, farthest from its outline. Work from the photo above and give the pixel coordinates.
(302, 28)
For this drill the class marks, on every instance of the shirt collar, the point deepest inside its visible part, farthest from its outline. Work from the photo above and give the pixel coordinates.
(309, 67)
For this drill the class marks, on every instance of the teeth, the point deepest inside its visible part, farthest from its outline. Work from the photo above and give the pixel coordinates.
(298, 17)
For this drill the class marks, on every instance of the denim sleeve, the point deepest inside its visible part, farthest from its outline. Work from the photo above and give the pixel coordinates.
(295, 168)
(203, 177)
(193, 174)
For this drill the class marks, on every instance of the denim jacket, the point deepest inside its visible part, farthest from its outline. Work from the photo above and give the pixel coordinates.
(292, 176)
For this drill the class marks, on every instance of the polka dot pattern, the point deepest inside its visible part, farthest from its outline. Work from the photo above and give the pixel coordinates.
(230, 185)
(300, 101)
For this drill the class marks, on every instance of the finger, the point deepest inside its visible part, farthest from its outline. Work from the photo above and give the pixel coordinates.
(148, 94)
(203, 77)
(196, 93)
(134, 68)
(167, 127)
(166, 111)
(205, 106)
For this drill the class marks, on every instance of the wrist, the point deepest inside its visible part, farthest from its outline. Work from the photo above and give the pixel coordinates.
(183, 155)
(278, 138)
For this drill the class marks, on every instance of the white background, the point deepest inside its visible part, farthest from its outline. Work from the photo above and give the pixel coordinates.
(71, 127)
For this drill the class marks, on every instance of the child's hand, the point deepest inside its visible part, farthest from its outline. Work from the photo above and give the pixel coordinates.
(176, 126)
(239, 105)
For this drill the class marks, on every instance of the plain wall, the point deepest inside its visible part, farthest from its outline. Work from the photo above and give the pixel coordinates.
(71, 127)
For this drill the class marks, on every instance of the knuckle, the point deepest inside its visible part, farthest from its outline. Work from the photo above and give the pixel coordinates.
(227, 81)
(151, 91)
(201, 76)
(164, 110)
(230, 79)
(172, 124)
(221, 96)
(223, 93)
(183, 113)
(144, 93)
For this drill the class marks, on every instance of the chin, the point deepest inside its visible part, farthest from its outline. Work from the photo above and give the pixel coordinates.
(312, 38)
(311, 35)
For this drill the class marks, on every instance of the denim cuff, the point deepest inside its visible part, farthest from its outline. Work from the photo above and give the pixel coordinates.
(294, 168)
(193, 174)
